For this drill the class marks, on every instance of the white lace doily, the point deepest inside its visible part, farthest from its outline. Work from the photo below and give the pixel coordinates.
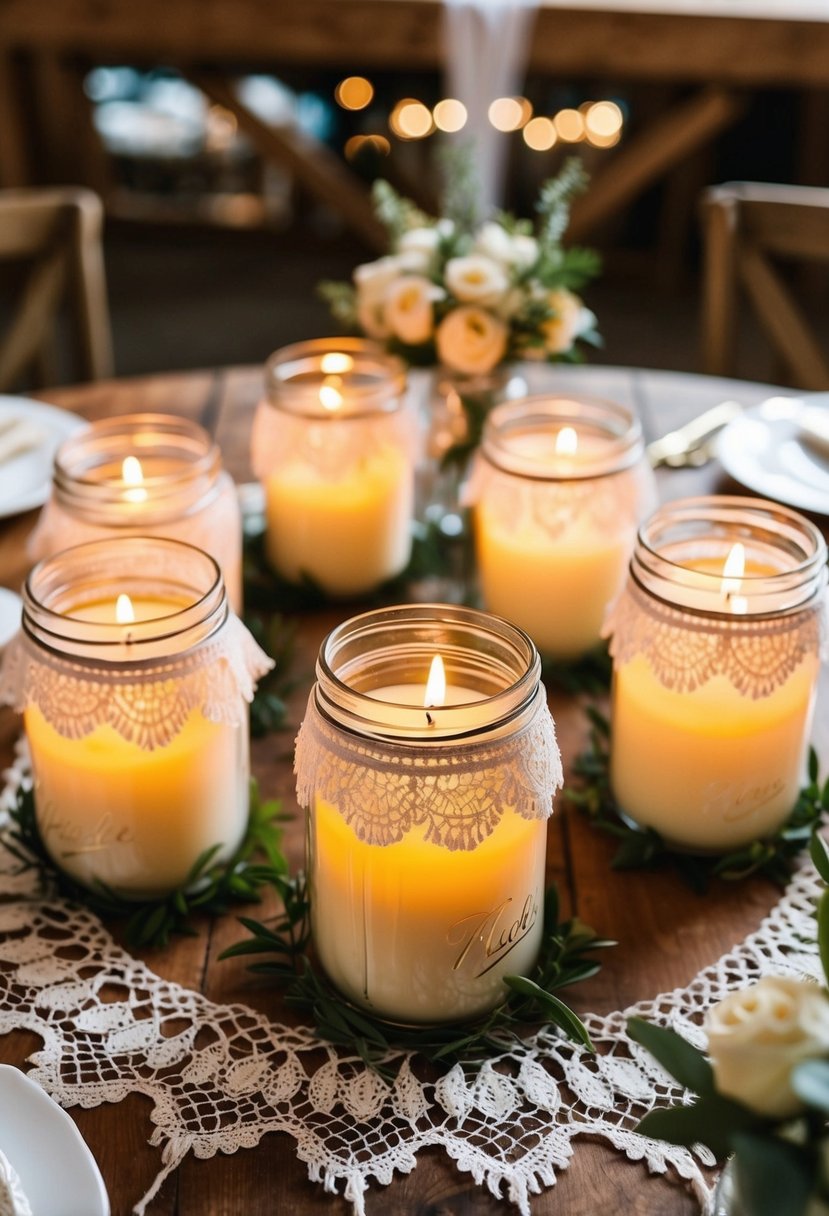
(511, 1125)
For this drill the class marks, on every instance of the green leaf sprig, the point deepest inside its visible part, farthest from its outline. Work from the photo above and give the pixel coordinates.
(641, 848)
(566, 957)
(589, 675)
(269, 708)
(211, 888)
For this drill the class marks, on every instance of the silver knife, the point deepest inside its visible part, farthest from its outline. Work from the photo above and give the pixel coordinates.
(675, 448)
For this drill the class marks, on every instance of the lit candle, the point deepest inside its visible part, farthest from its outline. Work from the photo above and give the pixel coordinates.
(134, 711)
(427, 830)
(148, 475)
(332, 446)
(716, 655)
(558, 489)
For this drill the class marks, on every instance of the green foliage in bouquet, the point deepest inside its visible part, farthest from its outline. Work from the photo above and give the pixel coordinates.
(472, 296)
(764, 1095)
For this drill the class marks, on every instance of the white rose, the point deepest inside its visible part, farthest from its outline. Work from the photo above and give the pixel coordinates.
(524, 251)
(471, 340)
(758, 1035)
(372, 280)
(570, 320)
(512, 250)
(494, 242)
(419, 240)
(476, 279)
(409, 310)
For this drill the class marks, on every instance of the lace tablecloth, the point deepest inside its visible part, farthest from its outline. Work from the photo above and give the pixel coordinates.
(221, 1076)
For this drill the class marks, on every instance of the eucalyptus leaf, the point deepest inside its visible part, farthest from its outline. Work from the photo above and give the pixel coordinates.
(677, 1056)
(712, 1121)
(810, 1081)
(774, 1176)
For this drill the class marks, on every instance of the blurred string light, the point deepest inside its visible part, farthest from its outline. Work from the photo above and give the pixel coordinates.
(362, 143)
(354, 93)
(449, 115)
(569, 125)
(603, 124)
(510, 113)
(411, 119)
(540, 134)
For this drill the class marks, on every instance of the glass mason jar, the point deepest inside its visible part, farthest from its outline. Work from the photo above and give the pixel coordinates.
(558, 489)
(716, 648)
(144, 475)
(334, 446)
(132, 676)
(427, 809)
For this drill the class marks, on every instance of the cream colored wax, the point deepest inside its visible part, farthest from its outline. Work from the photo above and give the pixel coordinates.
(348, 531)
(710, 769)
(555, 583)
(417, 932)
(133, 817)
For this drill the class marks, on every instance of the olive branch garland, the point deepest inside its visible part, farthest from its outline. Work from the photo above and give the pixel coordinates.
(641, 848)
(566, 958)
(211, 887)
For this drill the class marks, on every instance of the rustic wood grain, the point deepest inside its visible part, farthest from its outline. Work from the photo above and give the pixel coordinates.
(665, 933)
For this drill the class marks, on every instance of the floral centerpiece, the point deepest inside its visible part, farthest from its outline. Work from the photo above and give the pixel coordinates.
(473, 296)
(764, 1095)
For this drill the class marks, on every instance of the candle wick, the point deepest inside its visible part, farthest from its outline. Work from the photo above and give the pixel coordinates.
(429, 718)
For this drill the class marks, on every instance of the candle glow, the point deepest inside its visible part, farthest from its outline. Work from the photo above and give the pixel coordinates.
(132, 475)
(436, 684)
(124, 611)
(567, 441)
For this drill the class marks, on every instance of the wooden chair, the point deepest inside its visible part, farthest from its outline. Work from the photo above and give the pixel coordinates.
(53, 237)
(747, 225)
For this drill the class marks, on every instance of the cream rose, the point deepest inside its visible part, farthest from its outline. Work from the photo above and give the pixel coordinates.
(571, 319)
(476, 279)
(372, 280)
(409, 308)
(510, 249)
(420, 244)
(471, 340)
(758, 1035)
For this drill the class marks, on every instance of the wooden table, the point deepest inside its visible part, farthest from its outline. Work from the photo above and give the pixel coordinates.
(665, 933)
(721, 47)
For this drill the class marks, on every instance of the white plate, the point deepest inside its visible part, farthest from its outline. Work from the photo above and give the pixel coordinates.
(766, 450)
(56, 1169)
(25, 480)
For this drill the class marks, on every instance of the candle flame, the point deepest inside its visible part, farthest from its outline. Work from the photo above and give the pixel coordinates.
(124, 611)
(733, 571)
(133, 477)
(567, 441)
(436, 684)
(334, 362)
(330, 397)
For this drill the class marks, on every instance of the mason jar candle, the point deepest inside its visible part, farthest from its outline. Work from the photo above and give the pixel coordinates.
(147, 475)
(334, 447)
(716, 649)
(427, 761)
(558, 489)
(132, 675)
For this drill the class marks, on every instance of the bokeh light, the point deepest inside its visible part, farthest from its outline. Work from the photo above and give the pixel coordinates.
(354, 93)
(449, 115)
(540, 134)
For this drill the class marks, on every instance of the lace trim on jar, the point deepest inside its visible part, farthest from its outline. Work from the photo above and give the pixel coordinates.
(146, 704)
(757, 655)
(611, 503)
(331, 446)
(383, 790)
